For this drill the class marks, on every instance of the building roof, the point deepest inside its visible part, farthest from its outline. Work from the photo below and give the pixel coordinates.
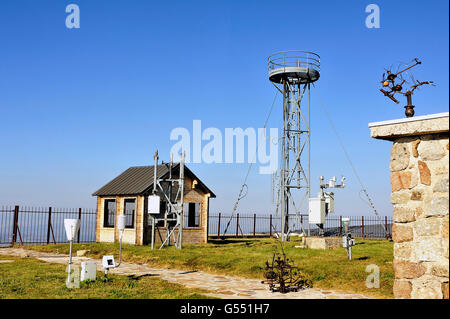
(138, 180)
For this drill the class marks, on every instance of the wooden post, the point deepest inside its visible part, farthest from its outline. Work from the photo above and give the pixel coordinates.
(49, 224)
(79, 229)
(340, 225)
(218, 227)
(237, 225)
(15, 221)
(270, 226)
(385, 227)
(254, 225)
(362, 224)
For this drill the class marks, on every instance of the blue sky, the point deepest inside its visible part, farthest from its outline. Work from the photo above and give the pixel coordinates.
(79, 106)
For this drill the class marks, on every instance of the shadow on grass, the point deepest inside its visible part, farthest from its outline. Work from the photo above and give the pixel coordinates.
(362, 258)
(228, 241)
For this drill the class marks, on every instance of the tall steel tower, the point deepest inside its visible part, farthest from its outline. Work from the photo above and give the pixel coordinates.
(292, 72)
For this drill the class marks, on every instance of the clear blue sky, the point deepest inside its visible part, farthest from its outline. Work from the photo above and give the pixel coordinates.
(80, 106)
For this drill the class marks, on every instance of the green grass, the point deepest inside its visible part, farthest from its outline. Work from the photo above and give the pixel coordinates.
(329, 269)
(29, 278)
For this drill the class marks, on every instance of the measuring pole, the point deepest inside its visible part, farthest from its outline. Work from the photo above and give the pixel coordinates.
(181, 215)
(155, 172)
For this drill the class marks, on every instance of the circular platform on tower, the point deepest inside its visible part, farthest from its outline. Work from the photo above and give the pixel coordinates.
(294, 67)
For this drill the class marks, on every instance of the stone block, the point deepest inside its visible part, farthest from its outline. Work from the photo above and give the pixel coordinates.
(400, 197)
(439, 167)
(402, 289)
(425, 293)
(424, 173)
(399, 156)
(416, 195)
(427, 226)
(408, 270)
(426, 287)
(402, 180)
(441, 185)
(82, 252)
(428, 248)
(323, 242)
(402, 233)
(431, 150)
(403, 214)
(440, 269)
(418, 212)
(438, 207)
(402, 250)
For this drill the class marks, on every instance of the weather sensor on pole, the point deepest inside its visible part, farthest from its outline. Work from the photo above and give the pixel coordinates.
(320, 207)
(292, 72)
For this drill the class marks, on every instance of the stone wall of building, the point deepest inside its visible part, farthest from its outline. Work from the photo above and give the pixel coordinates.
(419, 176)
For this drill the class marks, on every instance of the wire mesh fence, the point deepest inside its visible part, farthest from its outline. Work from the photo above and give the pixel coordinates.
(267, 225)
(38, 225)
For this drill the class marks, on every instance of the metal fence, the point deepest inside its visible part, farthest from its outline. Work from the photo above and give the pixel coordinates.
(266, 225)
(32, 225)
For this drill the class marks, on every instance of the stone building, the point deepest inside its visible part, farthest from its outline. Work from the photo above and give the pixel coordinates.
(128, 194)
(420, 195)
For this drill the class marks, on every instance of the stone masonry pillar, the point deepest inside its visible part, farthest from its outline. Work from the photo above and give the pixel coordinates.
(419, 184)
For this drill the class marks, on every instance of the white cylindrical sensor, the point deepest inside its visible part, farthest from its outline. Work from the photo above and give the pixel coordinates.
(121, 222)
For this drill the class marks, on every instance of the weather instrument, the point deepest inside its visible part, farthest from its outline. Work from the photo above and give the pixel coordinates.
(108, 261)
(71, 226)
(347, 240)
(321, 206)
(394, 83)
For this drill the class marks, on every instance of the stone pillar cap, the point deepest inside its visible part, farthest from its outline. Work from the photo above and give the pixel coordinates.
(412, 126)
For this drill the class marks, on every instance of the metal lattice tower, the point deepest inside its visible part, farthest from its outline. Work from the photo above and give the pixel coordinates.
(292, 72)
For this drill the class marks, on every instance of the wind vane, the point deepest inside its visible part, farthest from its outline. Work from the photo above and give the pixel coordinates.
(395, 81)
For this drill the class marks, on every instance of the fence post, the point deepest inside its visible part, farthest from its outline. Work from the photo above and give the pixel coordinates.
(362, 224)
(49, 224)
(218, 228)
(237, 225)
(15, 221)
(79, 229)
(270, 226)
(254, 225)
(385, 227)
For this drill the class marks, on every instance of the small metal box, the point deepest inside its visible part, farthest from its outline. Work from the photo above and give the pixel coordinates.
(317, 213)
(88, 270)
(153, 204)
(108, 262)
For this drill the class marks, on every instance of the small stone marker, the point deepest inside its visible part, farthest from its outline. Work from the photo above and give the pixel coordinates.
(83, 252)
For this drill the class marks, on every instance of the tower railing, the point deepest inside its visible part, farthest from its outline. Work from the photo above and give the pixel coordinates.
(300, 59)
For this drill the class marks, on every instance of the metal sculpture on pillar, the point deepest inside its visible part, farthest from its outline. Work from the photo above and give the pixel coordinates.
(292, 72)
(389, 82)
